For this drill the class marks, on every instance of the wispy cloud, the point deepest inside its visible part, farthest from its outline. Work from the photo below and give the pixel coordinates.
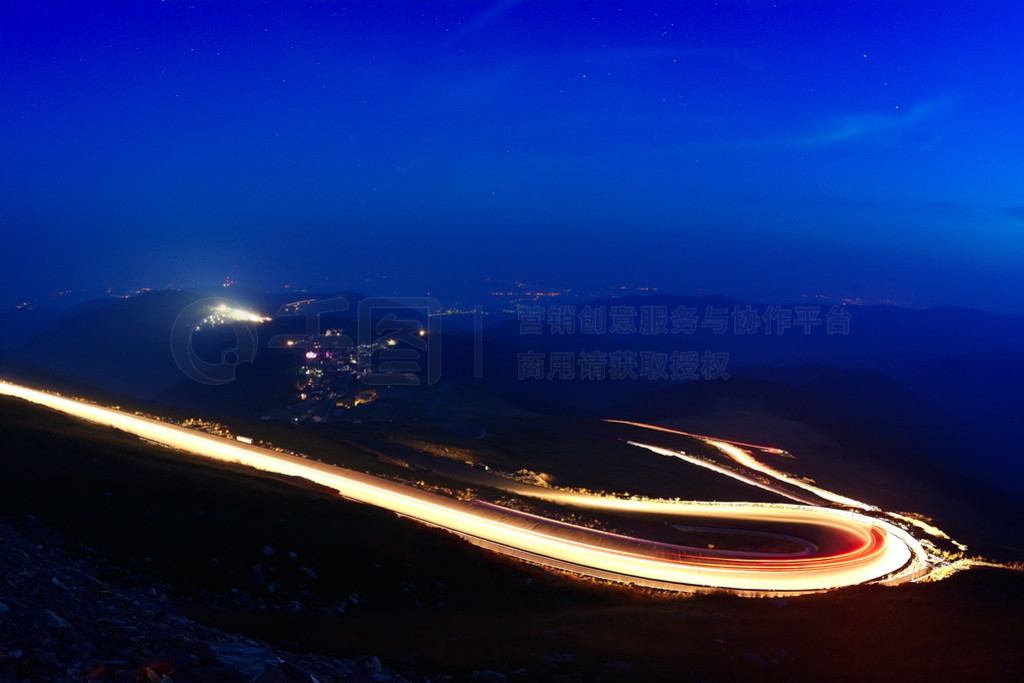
(1016, 212)
(847, 128)
(857, 126)
(485, 17)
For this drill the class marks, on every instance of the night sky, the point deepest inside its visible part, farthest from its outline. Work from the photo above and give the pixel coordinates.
(762, 150)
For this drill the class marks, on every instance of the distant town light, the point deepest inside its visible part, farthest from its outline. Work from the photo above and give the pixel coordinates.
(223, 314)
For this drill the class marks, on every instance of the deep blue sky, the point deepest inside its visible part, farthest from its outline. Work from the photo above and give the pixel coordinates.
(758, 149)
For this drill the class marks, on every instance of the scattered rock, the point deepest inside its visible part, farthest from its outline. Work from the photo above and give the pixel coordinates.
(51, 619)
(557, 658)
(293, 674)
(66, 625)
(372, 663)
(249, 660)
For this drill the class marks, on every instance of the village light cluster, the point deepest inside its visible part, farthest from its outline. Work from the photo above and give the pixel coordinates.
(223, 314)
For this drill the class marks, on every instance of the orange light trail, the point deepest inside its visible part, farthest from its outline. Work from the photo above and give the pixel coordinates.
(872, 549)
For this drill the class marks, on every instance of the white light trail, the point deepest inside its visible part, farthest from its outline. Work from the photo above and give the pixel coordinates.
(733, 450)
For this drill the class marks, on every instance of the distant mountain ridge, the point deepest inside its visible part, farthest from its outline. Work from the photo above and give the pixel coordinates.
(951, 366)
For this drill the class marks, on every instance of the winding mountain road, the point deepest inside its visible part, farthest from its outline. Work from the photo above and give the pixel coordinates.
(860, 547)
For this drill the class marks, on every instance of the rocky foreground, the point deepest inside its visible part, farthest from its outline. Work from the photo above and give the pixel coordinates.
(71, 618)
